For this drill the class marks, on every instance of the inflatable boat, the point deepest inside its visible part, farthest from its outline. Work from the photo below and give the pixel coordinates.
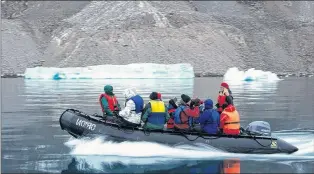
(79, 124)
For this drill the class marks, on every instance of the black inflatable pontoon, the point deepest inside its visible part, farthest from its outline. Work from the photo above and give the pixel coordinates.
(79, 124)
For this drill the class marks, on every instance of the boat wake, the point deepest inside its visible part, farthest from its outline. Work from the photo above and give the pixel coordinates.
(102, 155)
(304, 140)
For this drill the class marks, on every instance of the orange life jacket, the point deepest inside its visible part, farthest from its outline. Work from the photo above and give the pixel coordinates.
(231, 166)
(112, 102)
(233, 121)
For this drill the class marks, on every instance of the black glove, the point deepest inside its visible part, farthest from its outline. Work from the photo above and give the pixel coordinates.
(116, 113)
(224, 105)
(217, 105)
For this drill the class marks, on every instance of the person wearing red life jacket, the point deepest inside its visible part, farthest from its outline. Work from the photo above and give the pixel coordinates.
(184, 114)
(172, 106)
(108, 102)
(224, 93)
(230, 119)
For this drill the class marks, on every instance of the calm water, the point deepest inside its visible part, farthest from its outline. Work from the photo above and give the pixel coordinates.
(32, 140)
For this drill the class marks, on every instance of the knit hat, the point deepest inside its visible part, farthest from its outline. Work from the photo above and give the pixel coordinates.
(225, 85)
(153, 96)
(172, 102)
(185, 98)
(108, 90)
(159, 96)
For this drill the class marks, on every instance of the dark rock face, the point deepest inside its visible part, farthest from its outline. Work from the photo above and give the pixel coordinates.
(212, 36)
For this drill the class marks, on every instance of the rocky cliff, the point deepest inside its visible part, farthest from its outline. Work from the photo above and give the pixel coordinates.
(212, 36)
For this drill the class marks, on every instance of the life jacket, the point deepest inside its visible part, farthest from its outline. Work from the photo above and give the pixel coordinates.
(221, 100)
(177, 114)
(233, 121)
(158, 113)
(184, 118)
(112, 102)
(170, 123)
(231, 166)
(139, 103)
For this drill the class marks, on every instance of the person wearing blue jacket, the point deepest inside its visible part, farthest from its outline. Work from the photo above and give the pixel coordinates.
(209, 119)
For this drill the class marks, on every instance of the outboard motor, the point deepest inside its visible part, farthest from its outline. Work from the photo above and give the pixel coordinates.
(259, 128)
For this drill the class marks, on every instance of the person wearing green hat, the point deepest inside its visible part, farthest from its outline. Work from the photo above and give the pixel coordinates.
(108, 102)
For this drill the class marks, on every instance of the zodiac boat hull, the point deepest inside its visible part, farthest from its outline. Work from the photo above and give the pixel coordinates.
(79, 124)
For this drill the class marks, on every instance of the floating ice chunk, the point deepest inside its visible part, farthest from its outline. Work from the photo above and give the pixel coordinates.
(139, 70)
(234, 74)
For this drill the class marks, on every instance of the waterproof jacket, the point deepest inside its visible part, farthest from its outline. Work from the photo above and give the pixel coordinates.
(132, 111)
(209, 121)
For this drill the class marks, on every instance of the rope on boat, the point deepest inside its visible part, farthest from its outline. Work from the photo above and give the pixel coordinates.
(147, 131)
(271, 141)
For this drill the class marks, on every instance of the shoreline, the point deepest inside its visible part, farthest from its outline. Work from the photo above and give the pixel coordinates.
(197, 75)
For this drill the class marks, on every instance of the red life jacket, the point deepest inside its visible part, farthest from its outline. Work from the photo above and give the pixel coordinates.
(221, 100)
(112, 102)
(170, 123)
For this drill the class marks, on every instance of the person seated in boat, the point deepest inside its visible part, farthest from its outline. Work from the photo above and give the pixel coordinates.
(197, 103)
(132, 112)
(209, 119)
(224, 93)
(230, 119)
(184, 113)
(155, 113)
(172, 106)
(108, 102)
(195, 120)
(200, 104)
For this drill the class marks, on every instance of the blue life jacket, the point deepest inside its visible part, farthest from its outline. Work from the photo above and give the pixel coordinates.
(139, 103)
(177, 113)
(177, 116)
(158, 113)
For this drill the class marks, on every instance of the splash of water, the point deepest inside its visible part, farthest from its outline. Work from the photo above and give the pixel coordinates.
(99, 146)
(99, 152)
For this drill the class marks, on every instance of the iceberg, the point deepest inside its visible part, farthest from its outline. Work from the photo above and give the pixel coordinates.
(235, 75)
(136, 70)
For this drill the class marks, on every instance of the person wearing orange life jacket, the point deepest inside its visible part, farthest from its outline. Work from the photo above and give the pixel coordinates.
(230, 119)
(108, 102)
(155, 113)
(224, 93)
